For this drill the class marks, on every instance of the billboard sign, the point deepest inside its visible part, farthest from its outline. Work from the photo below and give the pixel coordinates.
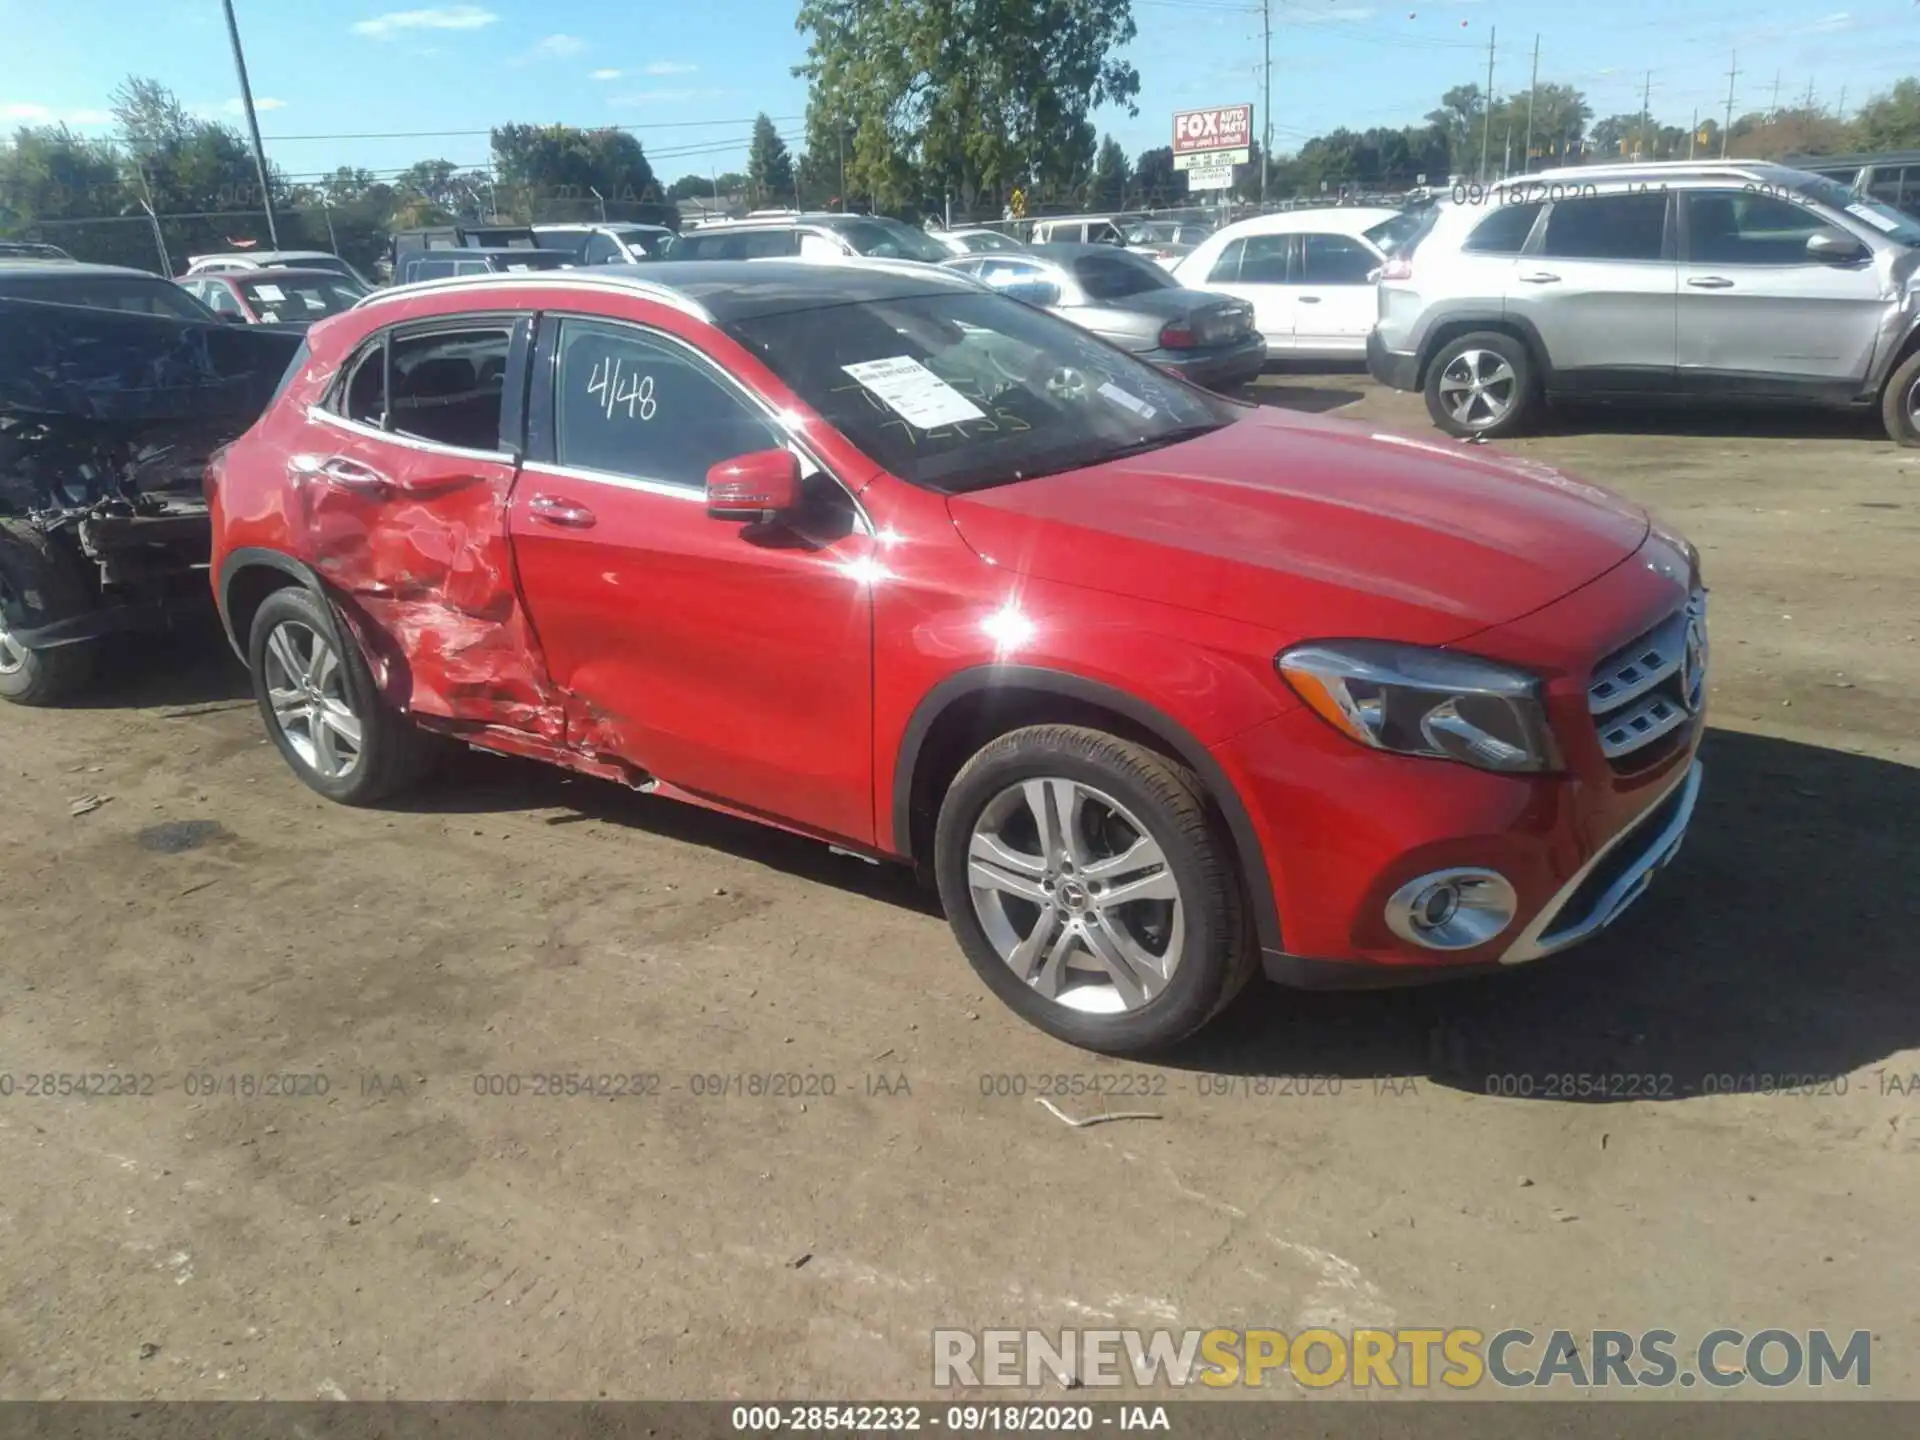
(1225, 127)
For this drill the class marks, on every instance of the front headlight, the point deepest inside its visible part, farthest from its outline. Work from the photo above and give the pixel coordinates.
(1415, 701)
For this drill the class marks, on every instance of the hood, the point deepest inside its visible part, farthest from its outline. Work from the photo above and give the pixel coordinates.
(1314, 527)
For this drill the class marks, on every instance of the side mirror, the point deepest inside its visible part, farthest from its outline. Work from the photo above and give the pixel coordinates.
(1831, 247)
(230, 318)
(1041, 294)
(755, 487)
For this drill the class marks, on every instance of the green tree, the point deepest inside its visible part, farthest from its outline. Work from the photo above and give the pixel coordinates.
(1155, 179)
(1107, 190)
(689, 187)
(1560, 116)
(1460, 118)
(52, 173)
(769, 166)
(557, 168)
(1890, 121)
(937, 98)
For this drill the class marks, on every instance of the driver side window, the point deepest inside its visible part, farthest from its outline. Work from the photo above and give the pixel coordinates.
(629, 403)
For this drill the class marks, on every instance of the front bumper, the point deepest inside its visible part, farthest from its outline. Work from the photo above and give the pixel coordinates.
(1225, 368)
(1390, 367)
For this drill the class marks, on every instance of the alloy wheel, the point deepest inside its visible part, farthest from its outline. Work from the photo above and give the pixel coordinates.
(307, 689)
(13, 655)
(1075, 895)
(1477, 387)
(1913, 403)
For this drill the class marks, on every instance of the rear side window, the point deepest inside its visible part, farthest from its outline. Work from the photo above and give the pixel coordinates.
(1266, 260)
(1504, 231)
(1607, 227)
(1335, 260)
(447, 386)
(1226, 269)
(630, 404)
(766, 244)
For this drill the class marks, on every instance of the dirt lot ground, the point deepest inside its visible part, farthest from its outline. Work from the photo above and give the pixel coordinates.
(403, 1235)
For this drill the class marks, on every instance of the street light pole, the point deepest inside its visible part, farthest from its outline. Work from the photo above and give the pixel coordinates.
(253, 126)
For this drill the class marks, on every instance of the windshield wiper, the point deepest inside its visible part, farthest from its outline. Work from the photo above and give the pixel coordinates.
(1175, 436)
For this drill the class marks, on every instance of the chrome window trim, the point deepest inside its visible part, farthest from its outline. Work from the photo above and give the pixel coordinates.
(1535, 942)
(668, 489)
(430, 447)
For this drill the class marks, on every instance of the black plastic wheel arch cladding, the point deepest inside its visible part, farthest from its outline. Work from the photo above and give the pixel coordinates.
(1185, 748)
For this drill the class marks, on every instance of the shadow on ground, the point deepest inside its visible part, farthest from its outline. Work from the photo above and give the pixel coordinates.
(1732, 422)
(1782, 943)
(185, 668)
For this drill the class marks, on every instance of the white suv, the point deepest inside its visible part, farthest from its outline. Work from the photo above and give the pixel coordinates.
(810, 237)
(1718, 280)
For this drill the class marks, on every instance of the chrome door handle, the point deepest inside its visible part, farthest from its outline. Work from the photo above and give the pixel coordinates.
(1710, 282)
(1308, 299)
(1541, 277)
(557, 511)
(350, 474)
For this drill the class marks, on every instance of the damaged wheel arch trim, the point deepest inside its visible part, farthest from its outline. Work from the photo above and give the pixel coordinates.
(254, 558)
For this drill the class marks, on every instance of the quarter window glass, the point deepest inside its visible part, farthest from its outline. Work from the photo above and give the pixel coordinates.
(1504, 231)
(1265, 262)
(1336, 260)
(631, 405)
(602, 251)
(447, 386)
(1112, 278)
(364, 397)
(1734, 227)
(767, 243)
(1607, 227)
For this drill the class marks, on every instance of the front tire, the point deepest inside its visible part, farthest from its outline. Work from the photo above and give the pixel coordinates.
(37, 585)
(1900, 403)
(1481, 386)
(1090, 888)
(322, 709)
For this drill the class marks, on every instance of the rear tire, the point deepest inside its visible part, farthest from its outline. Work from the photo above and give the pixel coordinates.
(1039, 834)
(39, 585)
(321, 706)
(1900, 402)
(1482, 385)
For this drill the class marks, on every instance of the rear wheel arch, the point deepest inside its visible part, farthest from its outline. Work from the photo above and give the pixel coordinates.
(1451, 329)
(966, 711)
(247, 577)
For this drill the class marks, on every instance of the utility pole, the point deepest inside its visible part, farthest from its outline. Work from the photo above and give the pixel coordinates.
(1266, 101)
(253, 126)
(1773, 110)
(1733, 69)
(1840, 112)
(1486, 110)
(603, 203)
(1809, 94)
(1693, 134)
(1646, 106)
(1533, 85)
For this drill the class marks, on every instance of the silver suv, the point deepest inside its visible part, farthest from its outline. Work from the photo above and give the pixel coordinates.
(1706, 281)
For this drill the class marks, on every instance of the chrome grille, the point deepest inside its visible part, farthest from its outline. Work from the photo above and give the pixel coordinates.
(1653, 687)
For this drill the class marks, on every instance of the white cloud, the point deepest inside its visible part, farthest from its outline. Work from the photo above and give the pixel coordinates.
(260, 102)
(32, 114)
(668, 67)
(607, 74)
(561, 45)
(445, 17)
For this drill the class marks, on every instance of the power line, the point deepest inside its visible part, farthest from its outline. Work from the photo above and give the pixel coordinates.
(463, 134)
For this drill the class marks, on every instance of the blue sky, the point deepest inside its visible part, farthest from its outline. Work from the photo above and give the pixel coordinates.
(690, 78)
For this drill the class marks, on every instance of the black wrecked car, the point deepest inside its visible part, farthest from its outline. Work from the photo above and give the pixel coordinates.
(115, 387)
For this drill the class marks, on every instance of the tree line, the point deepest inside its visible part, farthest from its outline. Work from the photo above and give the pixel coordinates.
(913, 107)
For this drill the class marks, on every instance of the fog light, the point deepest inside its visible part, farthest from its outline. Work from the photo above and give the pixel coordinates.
(1452, 909)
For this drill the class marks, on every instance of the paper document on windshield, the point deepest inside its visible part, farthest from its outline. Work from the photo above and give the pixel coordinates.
(271, 293)
(915, 393)
(1874, 218)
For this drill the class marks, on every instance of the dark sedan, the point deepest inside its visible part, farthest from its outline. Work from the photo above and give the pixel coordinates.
(1129, 300)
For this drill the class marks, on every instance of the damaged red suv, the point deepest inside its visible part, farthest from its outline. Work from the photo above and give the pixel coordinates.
(1164, 689)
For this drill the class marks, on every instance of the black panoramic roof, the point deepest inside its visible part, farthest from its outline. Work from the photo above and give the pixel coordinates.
(747, 289)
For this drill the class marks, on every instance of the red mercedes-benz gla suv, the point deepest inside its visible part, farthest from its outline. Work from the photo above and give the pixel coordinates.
(1163, 688)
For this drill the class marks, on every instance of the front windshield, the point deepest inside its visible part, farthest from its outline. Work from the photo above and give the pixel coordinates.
(885, 239)
(1892, 223)
(959, 392)
(652, 243)
(984, 242)
(311, 297)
